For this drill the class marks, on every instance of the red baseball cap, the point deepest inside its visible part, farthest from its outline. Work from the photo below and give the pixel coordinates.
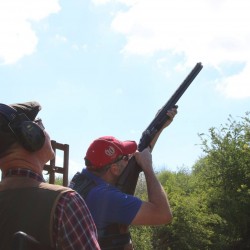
(106, 149)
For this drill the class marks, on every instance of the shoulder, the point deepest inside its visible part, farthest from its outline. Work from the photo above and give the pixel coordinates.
(54, 187)
(110, 193)
(72, 202)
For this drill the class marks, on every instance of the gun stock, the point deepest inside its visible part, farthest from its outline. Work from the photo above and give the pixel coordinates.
(128, 180)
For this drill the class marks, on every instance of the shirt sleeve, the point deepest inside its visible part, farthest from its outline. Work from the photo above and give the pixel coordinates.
(108, 205)
(124, 207)
(74, 227)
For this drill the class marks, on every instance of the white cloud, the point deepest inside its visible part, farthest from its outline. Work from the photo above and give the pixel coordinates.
(210, 31)
(199, 29)
(61, 38)
(17, 38)
(77, 47)
(237, 86)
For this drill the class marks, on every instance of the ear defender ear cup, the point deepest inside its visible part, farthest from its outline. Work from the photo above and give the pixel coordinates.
(31, 135)
(27, 132)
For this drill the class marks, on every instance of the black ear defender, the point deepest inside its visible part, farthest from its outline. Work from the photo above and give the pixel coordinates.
(27, 132)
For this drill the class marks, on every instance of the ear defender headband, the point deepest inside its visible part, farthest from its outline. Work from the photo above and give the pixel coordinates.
(27, 132)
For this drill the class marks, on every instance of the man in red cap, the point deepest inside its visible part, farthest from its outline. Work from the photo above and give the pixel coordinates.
(105, 160)
(54, 215)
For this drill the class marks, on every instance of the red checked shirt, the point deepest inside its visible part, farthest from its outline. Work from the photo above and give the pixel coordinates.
(73, 228)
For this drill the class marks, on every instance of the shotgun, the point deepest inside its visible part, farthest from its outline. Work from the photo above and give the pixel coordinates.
(128, 179)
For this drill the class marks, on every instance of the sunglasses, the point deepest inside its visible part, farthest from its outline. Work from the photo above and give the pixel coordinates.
(122, 157)
(39, 122)
(125, 157)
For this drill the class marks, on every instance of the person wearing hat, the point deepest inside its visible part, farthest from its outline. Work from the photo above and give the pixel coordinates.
(54, 215)
(105, 160)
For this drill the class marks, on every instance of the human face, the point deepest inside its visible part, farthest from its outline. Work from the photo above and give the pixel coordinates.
(122, 158)
(122, 162)
(48, 152)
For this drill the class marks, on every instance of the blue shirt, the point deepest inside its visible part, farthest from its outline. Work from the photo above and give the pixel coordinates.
(109, 205)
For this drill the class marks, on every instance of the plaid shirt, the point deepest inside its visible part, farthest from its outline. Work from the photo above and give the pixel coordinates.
(73, 226)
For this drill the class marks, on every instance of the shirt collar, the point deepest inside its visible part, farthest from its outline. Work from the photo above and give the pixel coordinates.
(94, 177)
(24, 173)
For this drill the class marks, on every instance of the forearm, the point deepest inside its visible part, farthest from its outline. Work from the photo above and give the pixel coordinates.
(171, 114)
(156, 210)
(157, 195)
(153, 142)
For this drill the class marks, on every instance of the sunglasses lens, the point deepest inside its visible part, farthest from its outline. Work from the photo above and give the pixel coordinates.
(125, 157)
(40, 123)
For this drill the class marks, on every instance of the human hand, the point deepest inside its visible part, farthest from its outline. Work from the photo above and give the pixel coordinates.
(171, 114)
(144, 159)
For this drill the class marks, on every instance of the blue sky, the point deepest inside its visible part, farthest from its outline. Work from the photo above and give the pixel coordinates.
(105, 67)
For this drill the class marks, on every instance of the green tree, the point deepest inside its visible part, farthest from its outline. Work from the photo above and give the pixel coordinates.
(225, 175)
(192, 225)
(141, 235)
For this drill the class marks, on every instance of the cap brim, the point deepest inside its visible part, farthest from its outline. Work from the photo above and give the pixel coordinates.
(129, 147)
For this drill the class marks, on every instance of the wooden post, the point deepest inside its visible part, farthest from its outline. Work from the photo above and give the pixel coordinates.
(52, 169)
